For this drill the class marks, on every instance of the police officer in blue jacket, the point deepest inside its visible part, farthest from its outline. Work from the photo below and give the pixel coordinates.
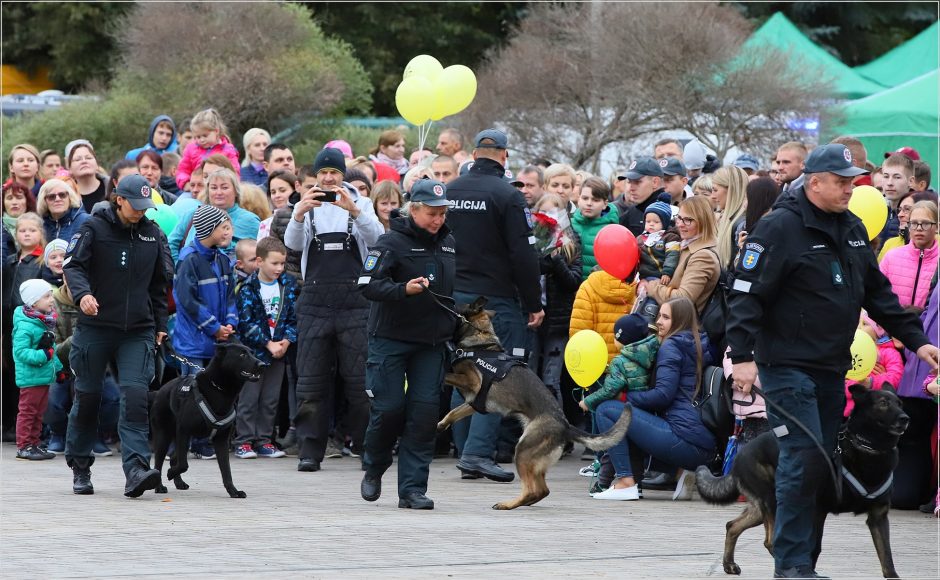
(409, 277)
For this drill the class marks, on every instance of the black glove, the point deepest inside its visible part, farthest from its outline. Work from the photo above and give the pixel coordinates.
(47, 341)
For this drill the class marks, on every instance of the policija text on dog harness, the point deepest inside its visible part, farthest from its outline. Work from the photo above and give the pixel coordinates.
(493, 366)
(187, 388)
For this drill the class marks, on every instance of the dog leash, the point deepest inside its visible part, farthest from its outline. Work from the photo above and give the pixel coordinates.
(437, 300)
(171, 352)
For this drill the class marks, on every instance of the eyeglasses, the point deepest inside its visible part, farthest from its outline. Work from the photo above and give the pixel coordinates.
(921, 225)
(686, 221)
(57, 195)
(904, 209)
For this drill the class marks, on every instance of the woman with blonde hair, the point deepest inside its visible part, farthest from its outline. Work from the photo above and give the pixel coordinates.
(729, 196)
(23, 165)
(254, 200)
(60, 208)
(703, 185)
(255, 142)
(386, 197)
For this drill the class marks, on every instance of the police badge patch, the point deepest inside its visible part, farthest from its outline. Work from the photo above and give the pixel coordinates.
(663, 163)
(528, 217)
(847, 154)
(749, 261)
(72, 243)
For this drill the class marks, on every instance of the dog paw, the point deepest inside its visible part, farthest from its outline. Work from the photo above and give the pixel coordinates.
(180, 484)
(238, 494)
(160, 489)
(501, 506)
(732, 568)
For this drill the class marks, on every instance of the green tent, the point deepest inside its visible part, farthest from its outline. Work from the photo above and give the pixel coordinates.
(778, 32)
(910, 60)
(906, 115)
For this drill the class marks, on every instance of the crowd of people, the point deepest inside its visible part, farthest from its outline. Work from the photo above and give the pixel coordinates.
(341, 273)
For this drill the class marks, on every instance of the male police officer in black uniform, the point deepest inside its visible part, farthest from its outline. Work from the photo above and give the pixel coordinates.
(806, 272)
(118, 272)
(408, 331)
(495, 259)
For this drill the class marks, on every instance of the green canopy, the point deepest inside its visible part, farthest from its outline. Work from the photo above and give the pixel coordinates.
(910, 60)
(905, 116)
(781, 34)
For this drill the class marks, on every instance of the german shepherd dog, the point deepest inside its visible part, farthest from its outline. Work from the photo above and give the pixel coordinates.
(522, 395)
(179, 412)
(869, 452)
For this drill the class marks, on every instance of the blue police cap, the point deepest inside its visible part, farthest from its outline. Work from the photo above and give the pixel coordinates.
(832, 158)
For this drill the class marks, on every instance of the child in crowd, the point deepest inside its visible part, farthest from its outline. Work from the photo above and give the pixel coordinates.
(592, 214)
(245, 261)
(204, 292)
(659, 244)
(27, 263)
(630, 370)
(36, 364)
(53, 259)
(210, 136)
(171, 161)
(889, 367)
(598, 305)
(267, 323)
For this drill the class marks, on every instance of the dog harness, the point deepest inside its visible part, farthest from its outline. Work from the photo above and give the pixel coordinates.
(856, 486)
(186, 386)
(493, 366)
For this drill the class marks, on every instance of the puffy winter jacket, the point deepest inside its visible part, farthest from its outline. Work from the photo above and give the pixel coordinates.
(65, 226)
(910, 270)
(916, 370)
(204, 291)
(629, 371)
(253, 327)
(890, 359)
(33, 367)
(672, 395)
(194, 154)
(600, 301)
(279, 222)
(587, 229)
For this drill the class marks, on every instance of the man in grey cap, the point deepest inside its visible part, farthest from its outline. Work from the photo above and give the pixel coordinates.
(805, 273)
(675, 179)
(645, 177)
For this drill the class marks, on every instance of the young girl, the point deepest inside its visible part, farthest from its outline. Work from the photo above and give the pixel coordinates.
(659, 244)
(281, 185)
(53, 258)
(36, 364)
(386, 197)
(210, 136)
(666, 425)
(25, 264)
(391, 151)
(889, 367)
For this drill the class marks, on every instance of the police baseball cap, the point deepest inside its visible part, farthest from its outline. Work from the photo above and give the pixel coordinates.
(137, 191)
(429, 192)
(464, 168)
(644, 166)
(495, 138)
(672, 166)
(832, 158)
(746, 161)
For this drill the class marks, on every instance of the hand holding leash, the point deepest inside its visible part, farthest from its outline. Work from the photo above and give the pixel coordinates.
(745, 375)
(416, 286)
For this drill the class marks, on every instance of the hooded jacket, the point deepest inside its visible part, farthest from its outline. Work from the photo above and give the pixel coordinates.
(629, 371)
(204, 292)
(33, 367)
(587, 229)
(910, 270)
(194, 154)
(600, 301)
(66, 226)
(171, 148)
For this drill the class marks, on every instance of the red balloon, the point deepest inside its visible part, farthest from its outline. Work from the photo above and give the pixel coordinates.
(616, 251)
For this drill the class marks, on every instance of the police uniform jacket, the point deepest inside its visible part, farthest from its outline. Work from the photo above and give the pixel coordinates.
(634, 218)
(489, 221)
(802, 279)
(404, 253)
(126, 269)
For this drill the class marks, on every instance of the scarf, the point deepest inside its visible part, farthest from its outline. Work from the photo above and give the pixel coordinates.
(685, 243)
(400, 165)
(46, 318)
(9, 222)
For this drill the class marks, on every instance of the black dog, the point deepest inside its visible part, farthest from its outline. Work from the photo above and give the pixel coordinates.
(869, 454)
(201, 406)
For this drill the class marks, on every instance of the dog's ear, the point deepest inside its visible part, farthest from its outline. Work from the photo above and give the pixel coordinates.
(477, 305)
(858, 391)
(886, 386)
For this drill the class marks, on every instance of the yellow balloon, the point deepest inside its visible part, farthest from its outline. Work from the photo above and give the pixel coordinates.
(456, 86)
(586, 357)
(415, 100)
(869, 205)
(864, 356)
(423, 65)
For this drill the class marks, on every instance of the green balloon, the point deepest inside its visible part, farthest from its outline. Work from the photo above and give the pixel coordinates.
(164, 217)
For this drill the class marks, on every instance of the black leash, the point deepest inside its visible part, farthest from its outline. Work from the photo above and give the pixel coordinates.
(437, 300)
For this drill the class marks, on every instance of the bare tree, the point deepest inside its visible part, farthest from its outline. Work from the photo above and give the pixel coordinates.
(576, 78)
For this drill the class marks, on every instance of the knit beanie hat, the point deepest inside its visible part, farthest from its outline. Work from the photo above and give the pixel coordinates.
(343, 146)
(329, 158)
(693, 155)
(663, 210)
(32, 290)
(206, 219)
(55, 246)
(356, 175)
(630, 328)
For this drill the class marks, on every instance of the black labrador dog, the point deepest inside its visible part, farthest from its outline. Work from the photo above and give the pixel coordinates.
(869, 454)
(201, 406)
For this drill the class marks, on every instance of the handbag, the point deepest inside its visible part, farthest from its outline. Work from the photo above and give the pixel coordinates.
(714, 403)
(714, 315)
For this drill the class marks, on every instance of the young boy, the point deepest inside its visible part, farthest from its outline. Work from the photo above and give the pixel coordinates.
(161, 138)
(204, 291)
(592, 214)
(245, 261)
(897, 178)
(168, 178)
(659, 246)
(630, 370)
(267, 323)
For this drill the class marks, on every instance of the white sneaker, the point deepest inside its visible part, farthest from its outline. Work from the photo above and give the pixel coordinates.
(619, 494)
(684, 486)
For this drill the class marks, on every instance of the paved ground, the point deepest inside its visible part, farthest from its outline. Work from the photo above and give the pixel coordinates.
(314, 525)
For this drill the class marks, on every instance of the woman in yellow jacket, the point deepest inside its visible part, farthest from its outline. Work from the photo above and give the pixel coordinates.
(600, 301)
(699, 266)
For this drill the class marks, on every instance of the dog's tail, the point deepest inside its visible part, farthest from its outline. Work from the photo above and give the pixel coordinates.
(716, 490)
(607, 439)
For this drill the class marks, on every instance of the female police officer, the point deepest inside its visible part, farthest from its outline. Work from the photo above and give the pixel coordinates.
(407, 271)
(118, 270)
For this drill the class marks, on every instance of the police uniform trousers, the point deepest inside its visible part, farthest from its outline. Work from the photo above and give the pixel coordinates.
(478, 434)
(817, 399)
(132, 354)
(331, 325)
(409, 412)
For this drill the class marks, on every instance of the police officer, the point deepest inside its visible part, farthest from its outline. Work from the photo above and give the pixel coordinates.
(407, 272)
(806, 271)
(118, 270)
(495, 259)
(645, 176)
(334, 237)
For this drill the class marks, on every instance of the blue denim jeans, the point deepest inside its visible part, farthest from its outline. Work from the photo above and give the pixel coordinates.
(651, 435)
(477, 435)
(816, 399)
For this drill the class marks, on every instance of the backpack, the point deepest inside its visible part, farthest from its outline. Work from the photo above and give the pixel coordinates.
(714, 314)
(715, 402)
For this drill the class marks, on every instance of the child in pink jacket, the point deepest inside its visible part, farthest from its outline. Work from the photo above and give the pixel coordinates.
(888, 369)
(209, 138)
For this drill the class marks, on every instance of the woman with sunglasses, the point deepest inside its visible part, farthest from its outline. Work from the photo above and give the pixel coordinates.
(60, 208)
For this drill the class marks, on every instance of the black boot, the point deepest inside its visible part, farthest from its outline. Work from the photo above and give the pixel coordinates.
(81, 481)
(416, 501)
(371, 487)
(140, 480)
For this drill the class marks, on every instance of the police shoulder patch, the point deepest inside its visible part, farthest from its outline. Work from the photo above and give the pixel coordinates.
(750, 259)
(752, 246)
(72, 243)
(528, 217)
(371, 262)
